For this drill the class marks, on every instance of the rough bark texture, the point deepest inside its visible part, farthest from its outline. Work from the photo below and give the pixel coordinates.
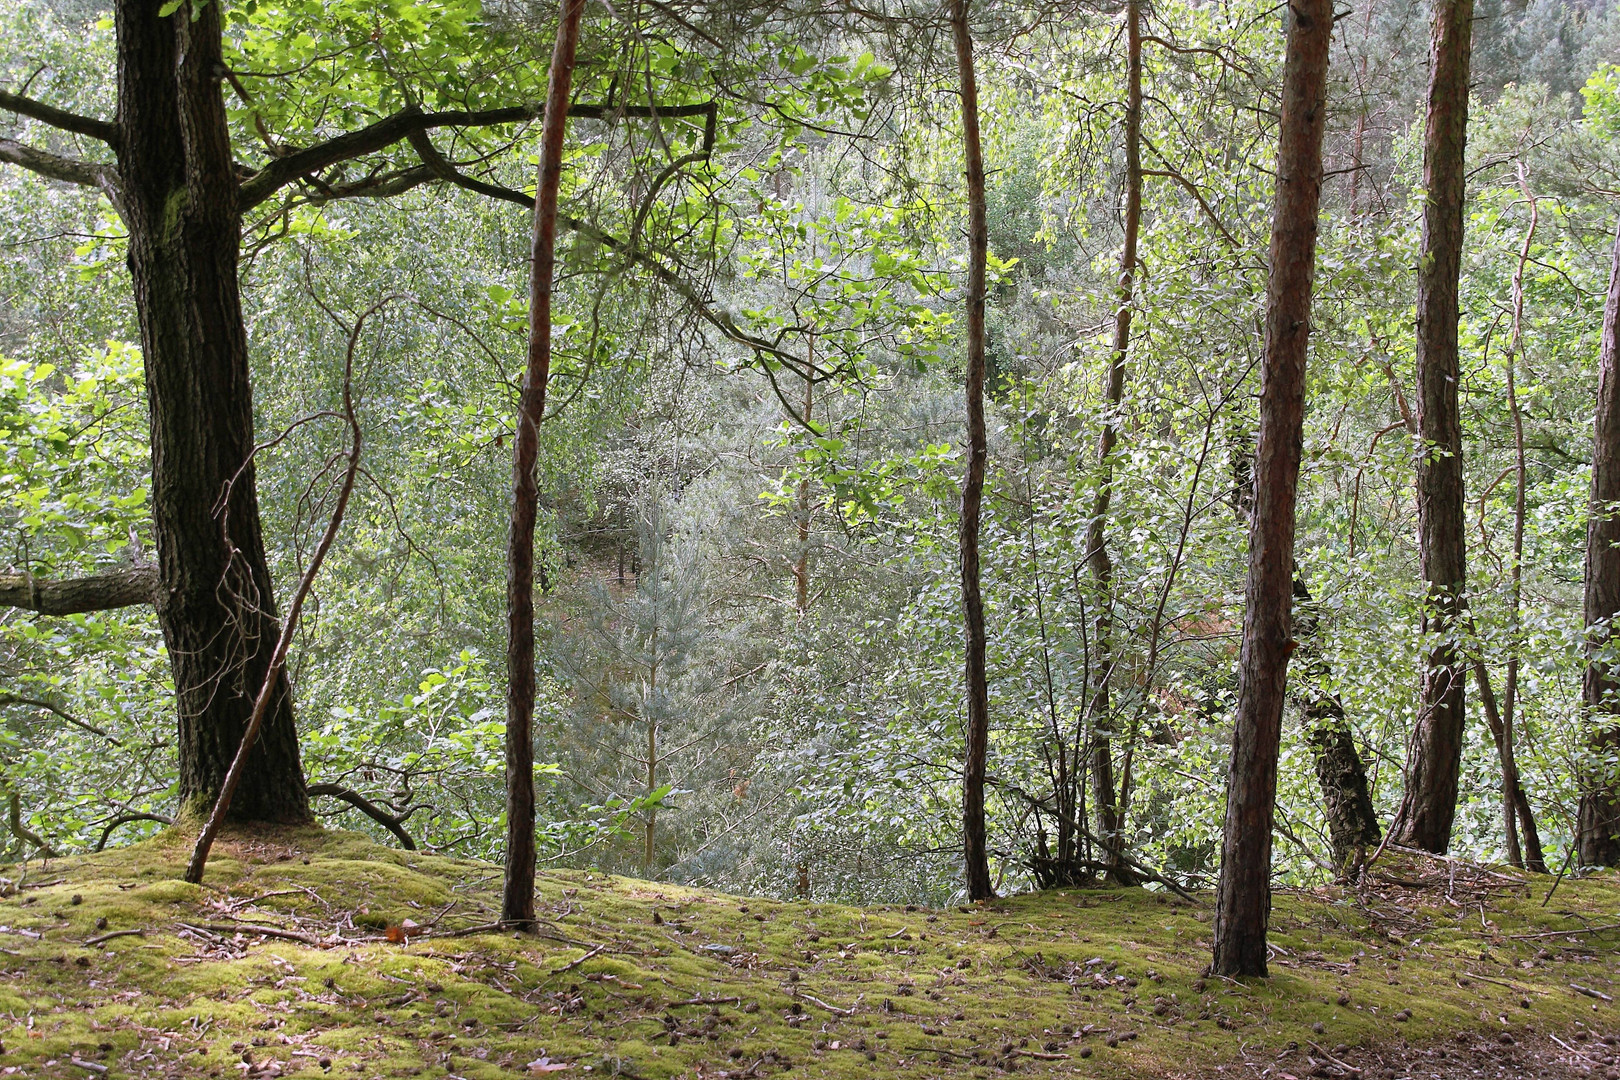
(1352, 821)
(1243, 898)
(974, 843)
(1100, 709)
(517, 897)
(1598, 825)
(1430, 802)
(215, 603)
(74, 596)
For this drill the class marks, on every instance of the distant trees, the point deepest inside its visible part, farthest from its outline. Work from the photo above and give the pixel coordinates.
(1243, 897)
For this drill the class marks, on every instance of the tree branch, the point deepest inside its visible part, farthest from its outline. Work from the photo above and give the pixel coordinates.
(59, 118)
(69, 170)
(394, 823)
(407, 122)
(73, 596)
(683, 288)
(39, 703)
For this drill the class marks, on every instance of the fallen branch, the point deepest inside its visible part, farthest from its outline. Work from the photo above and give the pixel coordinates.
(1587, 991)
(703, 1001)
(215, 929)
(835, 1010)
(1341, 1064)
(104, 938)
(572, 964)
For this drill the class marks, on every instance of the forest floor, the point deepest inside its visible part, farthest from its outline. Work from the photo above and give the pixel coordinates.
(312, 953)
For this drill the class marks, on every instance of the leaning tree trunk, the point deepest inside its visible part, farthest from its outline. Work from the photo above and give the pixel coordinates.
(214, 599)
(1109, 823)
(517, 896)
(1243, 897)
(1340, 772)
(1598, 824)
(1430, 801)
(974, 843)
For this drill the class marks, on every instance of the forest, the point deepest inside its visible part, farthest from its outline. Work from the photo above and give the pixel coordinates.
(1101, 460)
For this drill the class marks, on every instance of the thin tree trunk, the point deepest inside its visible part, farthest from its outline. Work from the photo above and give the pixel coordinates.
(1352, 821)
(1598, 825)
(1533, 857)
(1243, 899)
(517, 896)
(974, 841)
(214, 602)
(1101, 566)
(801, 565)
(1429, 804)
(1514, 803)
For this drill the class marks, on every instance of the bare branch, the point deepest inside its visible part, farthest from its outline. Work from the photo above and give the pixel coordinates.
(403, 124)
(394, 823)
(59, 118)
(69, 170)
(73, 596)
(40, 703)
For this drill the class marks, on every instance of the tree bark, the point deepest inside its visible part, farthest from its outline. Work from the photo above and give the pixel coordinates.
(1598, 821)
(517, 895)
(974, 842)
(1243, 899)
(214, 603)
(1100, 707)
(1352, 821)
(1430, 802)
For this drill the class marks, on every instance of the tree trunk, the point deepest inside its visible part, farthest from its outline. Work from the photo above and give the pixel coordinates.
(1243, 899)
(1352, 821)
(1109, 825)
(214, 601)
(1430, 801)
(517, 895)
(1598, 825)
(974, 842)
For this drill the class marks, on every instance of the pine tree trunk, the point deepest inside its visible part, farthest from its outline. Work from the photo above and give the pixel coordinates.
(1340, 772)
(214, 599)
(974, 841)
(517, 894)
(1598, 823)
(1430, 801)
(1243, 898)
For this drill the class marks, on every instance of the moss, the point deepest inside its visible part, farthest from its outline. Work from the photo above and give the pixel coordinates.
(926, 991)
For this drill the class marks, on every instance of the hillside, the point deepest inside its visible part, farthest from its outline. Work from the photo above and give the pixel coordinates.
(322, 954)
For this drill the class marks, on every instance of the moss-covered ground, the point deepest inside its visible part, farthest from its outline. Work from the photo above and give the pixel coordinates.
(114, 967)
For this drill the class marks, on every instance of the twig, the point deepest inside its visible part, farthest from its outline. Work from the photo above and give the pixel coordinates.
(254, 928)
(835, 1010)
(572, 964)
(1587, 991)
(703, 1001)
(1341, 1064)
(94, 1067)
(114, 934)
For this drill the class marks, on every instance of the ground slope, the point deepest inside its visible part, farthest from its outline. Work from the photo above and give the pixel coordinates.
(313, 953)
